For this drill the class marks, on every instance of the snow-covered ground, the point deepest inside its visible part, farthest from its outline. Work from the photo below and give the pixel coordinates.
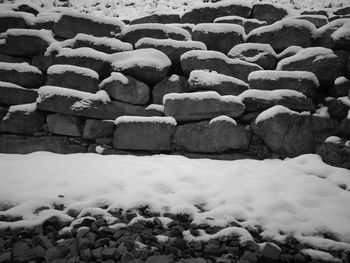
(299, 196)
(130, 9)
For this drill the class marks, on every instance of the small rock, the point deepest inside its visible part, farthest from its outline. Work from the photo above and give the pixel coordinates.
(22, 252)
(82, 232)
(5, 257)
(39, 252)
(250, 257)
(160, 259)
(108, 253)
(213, 249)
(54, 253)
(271, 251)
(300, 258)
(85, 254)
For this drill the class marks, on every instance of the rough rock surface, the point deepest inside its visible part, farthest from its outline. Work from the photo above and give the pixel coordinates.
(98, 129)
(172, 84)
(65, 125)
(11, 94)
(335, 154)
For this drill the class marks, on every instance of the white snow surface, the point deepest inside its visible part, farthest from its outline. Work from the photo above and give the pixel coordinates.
(19, 67)
(44, 34)
(322, 112)
(320, 255)
(273, 111)
(10, 85)
(333, 139)
(82, 52)
(152, 119)
(341, 80)
(201, 95)
(223, 118)
(219, 28)
(211, 78)
(115, 76)
(280, 74)
(155, 107)
(345, 100)
(338, 27)
(26, 108)
(270, 94)
(144, 57)
(171, 42)
(60, 69)
(263, 48)
(296, 196)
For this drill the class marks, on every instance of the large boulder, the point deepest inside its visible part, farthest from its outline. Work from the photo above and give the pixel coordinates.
(143, 133)
(133, 33)
(211, 80)
(206, 13)
(216, 61)
(158, 17)
(335, 35)
(27, 42)
(24, 145)
(72, 23)
(21, 74)
(104, 44)
(219, 37)
(125, 88)
(73, 77)
(269, 12)
(215, 136)
(201, 105)
(79, 103)
(12, 94)
(95, 129)
(84, 57)
(259, 100)
(65, 124)
(260, 54)
(172, 84)
(148, 65)
(284, 33)
(248, 23)
(323, 62)
(10, 19)
(301, 81)
(23, 119)
(170, 47)
(335, 151)
(289, 133)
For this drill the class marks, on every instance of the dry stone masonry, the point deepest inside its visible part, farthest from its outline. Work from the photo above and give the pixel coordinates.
(223, 80)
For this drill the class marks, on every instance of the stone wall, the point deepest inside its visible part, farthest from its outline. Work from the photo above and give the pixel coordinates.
(222, 81)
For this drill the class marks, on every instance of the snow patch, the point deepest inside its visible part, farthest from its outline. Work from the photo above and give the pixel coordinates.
(333, 139)
(23, 67)
(322, 112)
(61, 69)
(82, 52)
(44, 34)
(219, 28)
(320, 255)
(115, 76)
(270, 94)
(202, 95)
(223, 118)
(152, 119)
(211, 78)
(170, 42)
(273, 111)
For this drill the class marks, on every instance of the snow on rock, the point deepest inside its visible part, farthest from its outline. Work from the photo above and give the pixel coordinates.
(322, 112)
(223, 118)
(317, 20)
(19, 67)
(133, 33)
(323, 243)
(148, 65)
(115, 76)
(270, 12)
(270, 95)
(288, 52)
(248, 24)
(345, 100)
(204, 95)
(153, 119)
(333, 139)
(46, 35)
(273, 75)
(156, 107)
(210, 77)
(10, 19)
(82, 52)
(60, 69)
(320, 255)
(271, 112)
(26, 108)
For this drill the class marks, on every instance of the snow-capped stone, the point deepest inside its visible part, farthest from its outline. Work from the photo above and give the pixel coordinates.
(84, 57)
(334, 35)
(324, 63)
(172, 84)
(301, 81)
(333, 139)
(319, 12)
(269, 12)
(72, 23)
(220, 37)
(341, 87)
(104, 44)
(11, 19)
(65, 124)
(21, 74)
(98, 129)
(143, 133)
(133, 33)
(343, 11)
(45, 20)
(73, 77)
(201, 105)
(317, 20)
(125, 88)
(23, 119)
(335, 151)
(339, 108)
(289, 133)
(27, 42)
(215, 136)
(288, 52)
(284, 33)
(12, 94)
(158, 17)
(148, 65)
(79, 103)
(216, 61)
(260, 54)
(211, 80)
(170, 47)
(206, 13)
(259, 100)
(248, 23)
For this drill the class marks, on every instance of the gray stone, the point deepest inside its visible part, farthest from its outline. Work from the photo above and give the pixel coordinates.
(161, 18)
(344, 128)
(317, 20)
(249, 256)
(268, 12)
(23, 119)
(284, 33)
(12, 94)
(335, 154)
(54, 253)
(172, 84)
(97, 253)
(160, 259)
(249, 24)
(22, 252)
(10, 59)
(341, 87)
(73, 77)
(12, 20)
(98, 129)
(85, 254)
(324, 36)
(338, 108)
(271, 251)
(342, 11)
(260, 54)
(43, 62)
(147, 133)
(211, 137)
(5, 257)
(70, 24)
(39, 252)
(125, 88)
(219, 37)
(109, 253)
(207, 13)
(65, 125)
(23, 145)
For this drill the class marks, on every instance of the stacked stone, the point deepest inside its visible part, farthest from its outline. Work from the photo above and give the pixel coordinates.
(223, 80)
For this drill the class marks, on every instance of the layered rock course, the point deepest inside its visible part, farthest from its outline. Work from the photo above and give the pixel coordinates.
(223, 80)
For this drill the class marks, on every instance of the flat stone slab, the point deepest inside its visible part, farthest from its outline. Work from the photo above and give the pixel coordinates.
(65, 124)
(12, 94)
